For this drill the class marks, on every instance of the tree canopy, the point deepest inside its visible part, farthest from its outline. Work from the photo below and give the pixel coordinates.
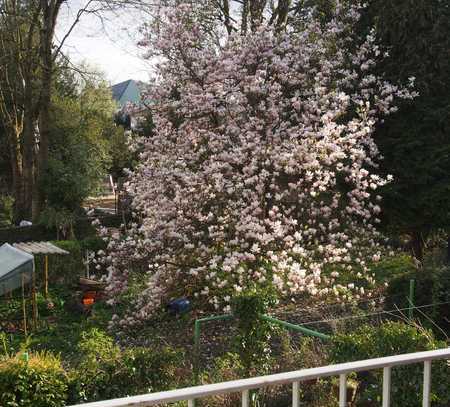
(415, 142)
(260, 171)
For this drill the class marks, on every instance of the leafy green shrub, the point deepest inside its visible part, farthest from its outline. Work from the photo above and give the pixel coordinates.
(48, 306)
(390, 267)
(6, 210)
(150, 370)
(105, 371)
(92, 243)
(94, 373)
(390, 339)
(254, 333)
(38, 382)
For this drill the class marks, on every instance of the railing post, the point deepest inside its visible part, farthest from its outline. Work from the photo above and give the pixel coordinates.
(296, 394)
(426, 383)
(191, 403)
(245, 398)
(343, 390)
(386, 386)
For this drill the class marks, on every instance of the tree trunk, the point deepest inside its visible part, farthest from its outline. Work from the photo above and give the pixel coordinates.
(43, 153)
(50, 12)
(15, 158)
(226, 15)
(256, 13)
(244, 20)
(283, 13)
(28, 164)
(417, 245)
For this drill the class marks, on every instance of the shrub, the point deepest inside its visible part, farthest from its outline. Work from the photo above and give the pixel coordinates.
(389, 339)
(93, 374)
(38, 382)
(432, 286)
(63, 269)
(66, 269)
(149, 370)
(254, 333)
(105, 371)
(6, 210)
(92, 243)
(390, 267)
(226, 367)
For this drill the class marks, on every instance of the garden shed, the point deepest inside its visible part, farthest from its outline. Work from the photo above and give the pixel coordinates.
(16, 268)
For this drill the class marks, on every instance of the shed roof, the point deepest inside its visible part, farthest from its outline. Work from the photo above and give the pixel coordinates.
(39, 248)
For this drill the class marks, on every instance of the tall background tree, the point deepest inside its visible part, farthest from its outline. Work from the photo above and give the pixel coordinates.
(415, 142)
(81, 129)
(18, 112)
(29, 53)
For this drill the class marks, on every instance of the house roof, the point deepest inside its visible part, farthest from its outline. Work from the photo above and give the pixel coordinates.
(126, 92)
(119, 89)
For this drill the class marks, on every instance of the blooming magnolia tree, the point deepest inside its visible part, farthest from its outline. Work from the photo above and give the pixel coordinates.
(260, 172)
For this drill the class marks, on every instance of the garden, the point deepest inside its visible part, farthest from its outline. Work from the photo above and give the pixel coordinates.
(73, 355)
(286, 205)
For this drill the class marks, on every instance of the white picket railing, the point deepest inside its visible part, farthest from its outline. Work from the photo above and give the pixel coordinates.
(243, 386)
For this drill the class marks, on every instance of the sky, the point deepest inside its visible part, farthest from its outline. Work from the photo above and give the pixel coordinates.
(108, 45)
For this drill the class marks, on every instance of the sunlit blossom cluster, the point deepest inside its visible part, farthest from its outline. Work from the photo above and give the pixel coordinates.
(261, 169)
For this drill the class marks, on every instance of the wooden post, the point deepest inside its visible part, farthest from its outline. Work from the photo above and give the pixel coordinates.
(24, 307)
(46, 276)
(34, 300)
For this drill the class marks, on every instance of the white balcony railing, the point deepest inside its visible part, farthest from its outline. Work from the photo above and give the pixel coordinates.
(243, 386)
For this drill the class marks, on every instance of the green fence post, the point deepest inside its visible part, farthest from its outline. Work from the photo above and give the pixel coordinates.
(412, 284)
(196, 349)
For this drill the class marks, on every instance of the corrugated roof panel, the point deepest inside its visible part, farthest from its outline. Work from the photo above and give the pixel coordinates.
(39, 248)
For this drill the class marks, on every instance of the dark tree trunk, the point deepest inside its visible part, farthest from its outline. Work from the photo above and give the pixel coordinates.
(256, 13)
(417, 245)
(283, 12)
(226, 15)
(244, 21)
(43, 153)
(15, 157)
(50, 13)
